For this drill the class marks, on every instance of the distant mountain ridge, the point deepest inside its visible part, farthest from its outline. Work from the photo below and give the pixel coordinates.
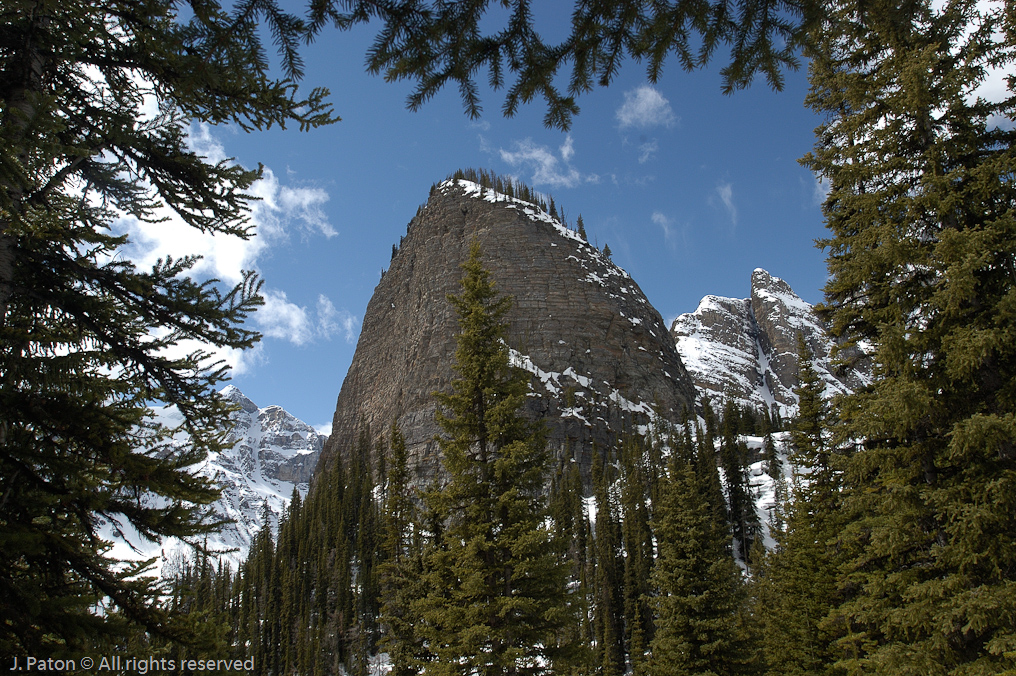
(273, 453)
(746, 348)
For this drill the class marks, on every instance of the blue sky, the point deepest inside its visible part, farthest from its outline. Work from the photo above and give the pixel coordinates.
(691, 189)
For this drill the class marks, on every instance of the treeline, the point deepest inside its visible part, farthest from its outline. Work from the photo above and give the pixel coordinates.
(516, 189)
(504, 185)
(891, 554)
(512, 564)
(337, 585)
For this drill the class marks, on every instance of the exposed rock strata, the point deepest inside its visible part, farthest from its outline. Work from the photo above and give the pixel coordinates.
(600, 354)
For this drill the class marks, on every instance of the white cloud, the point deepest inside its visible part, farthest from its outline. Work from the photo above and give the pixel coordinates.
(567, 149)
(238, 361)
(279, 210)
(225, 256)
(546, 167)
(645, 107)
(725, 191)
(201, 140)
(324, 429)
(646, 150)
(821, 190)
(280, 318)
(332, 321)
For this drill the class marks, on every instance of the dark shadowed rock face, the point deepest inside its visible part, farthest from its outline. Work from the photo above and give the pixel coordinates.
(746, 349)
(600, 354)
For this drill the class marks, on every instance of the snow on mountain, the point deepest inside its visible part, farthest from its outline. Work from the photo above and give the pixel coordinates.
(273, 452)
(746, 348)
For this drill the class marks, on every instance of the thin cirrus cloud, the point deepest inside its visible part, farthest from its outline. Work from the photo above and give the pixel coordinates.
(665, 224)
(725, 191)
(647, 150)
(546, 166)
(280, 318)
(672, 234)
(645, 107)
(332, 321)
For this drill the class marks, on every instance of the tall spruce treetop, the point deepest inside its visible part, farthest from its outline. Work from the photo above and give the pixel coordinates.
(807, 431)
(496, 598)
(922, 214)
(696, 587)
(86, 337)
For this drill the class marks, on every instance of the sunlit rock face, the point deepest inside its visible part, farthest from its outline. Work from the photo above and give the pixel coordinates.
(601, 358)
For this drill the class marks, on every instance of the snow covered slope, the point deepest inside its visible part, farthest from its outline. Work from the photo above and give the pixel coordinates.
(273, 453)
(747, 348)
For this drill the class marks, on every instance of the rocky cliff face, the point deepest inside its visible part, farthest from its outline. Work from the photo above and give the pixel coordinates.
(747, 348)
(600, 354)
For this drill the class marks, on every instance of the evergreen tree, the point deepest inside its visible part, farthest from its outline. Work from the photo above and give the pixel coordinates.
(437, 44)
(697, 593)
(704, 452)
(774, 468)
(76, 445)
(580, 224)
(401, 571)
(797, 582)
(808, 429)
(637, 540)
(923, 237)
(608, 611)
(573, 533)
(744, 522)
(495, 601)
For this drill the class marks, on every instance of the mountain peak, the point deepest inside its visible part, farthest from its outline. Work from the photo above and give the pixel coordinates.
(746, 349)
(599, 353)
(233, 394)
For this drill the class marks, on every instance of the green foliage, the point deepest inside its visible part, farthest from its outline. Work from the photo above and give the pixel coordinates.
(402, 567)
(573, 530)
(637, 539)
(310, 602)
(796, 583)
(608, 628)
(807, 431)
(439, 43)
(87, 340)
(923, 236)
(495, 579)
(698, 595)
(744, 522)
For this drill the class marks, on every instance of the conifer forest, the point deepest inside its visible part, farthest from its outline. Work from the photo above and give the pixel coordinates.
(890, 548)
